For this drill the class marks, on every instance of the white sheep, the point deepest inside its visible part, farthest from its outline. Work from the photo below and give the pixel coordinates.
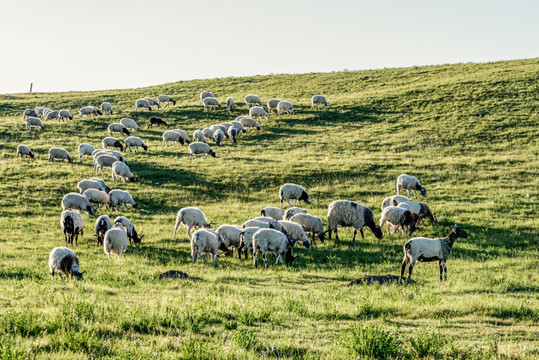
(185, 137)
(34, 122)
(59, 153)
(218, 137)
(106, 108)
(274, 223)
(226, 125)
(238, 125)
(397, 216)
(142, 103)
(208, 133)
(136, 142)
(172, 136)
(102, 225)
(233, 133)
(216, 127)
(89, 110)
(130, 124)
(252, 100)
(230, 103)
(409, 182)
(97, 196)
(202, 149)
(285, 107)
(231, 236)
(205, 242)
(39, 111)
(205, 94)
(115, 241)
(111, 142)
(198, 135)
(258, 112)
(272, 105)
(249, 123)
(64, 114)
(152, 102)
(273, 212)
(319, 100)
(427, 250)
(119, 170)
(295, 232)
(190, 217)
(210, 103)
(166, 99)
(270, 240)
(293, 191)
(85, 150)
(86, 184)
(45, 112)
(31, 112)
(102, 182)
(23, 150)
(118, 155)
(132, 234)
(121, 197)
(77, 202)
(256, 223)
(117, 127)
(65, 262)
(347, 213)
(72, 224)
(293, 211)
(52, 115)
(104, 160)
(246, 239)
(310, 224)
(419, 210)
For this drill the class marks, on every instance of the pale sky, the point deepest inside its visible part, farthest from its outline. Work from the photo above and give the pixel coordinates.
(63, 45)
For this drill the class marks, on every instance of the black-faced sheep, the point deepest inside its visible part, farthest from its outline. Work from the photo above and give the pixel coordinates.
(409, 182)
(65, 262)
(293, 191)
(347, 213)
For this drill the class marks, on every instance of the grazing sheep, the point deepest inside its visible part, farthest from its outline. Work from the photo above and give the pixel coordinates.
(117, 127)
(65, 262)
(293, 191)
(112, 142)
(231, 236)
(252, 100)
(106, 108)
(218, 137)
(208, 133)
(274, 223)
(52, 115)
(185, 137)
(398, 216)
(30, 112)
(118, 155)
(238, 125)
(205, 94)
(45, 112)
(190, 217)
(24, 150)
(256, 223)
(115, 241)
(97, 196)
(233, 133)
(427, 250)
(72, 224)
(409, 182)
(295, 232)
(103, 161)
(153, 102)
(64, 114)
(258, 112)
(246, 239)
(166, 99)
(270, 240)
(229, 103)
(310, 224)
(293, 211)
(120, 197)
(103, 184)
(142, 103)
(226, 126)
(34, 122)
(39, 111)
(102, 225)
(172, 135)
(129, 123)
(136, 142)
(129, 229)
(59, 153)
(85, 150)
(198, 148)
(347, 213)
(206, 241)
(273, 212)
(90, 110)
(249, 123)
(272, 105)
(210, 103)
(76, 201)
(155, 121)
(86, 184)
(419, 210)
(119, 170)
(198, 135)
(285, 107)
(319, 100)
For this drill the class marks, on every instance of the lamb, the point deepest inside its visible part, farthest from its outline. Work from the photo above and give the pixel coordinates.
(76, 201)
(106, 108)
(102, 225)
(104, 160)
(117, 127)
(398, 216)
(167, 99)
(86, 184)
(90, 110)
(218, 136)
(136, 142)
(293, 211)
(129, 229)
(72, 224)
(310, 224)
(231, 236)
(273, 212)
(258, 112)
(65, 262)
(155, 121)
(347, 213)
(190, 217)
(285, 107)
(120, 197)
(272, 105)
(142, 103)
(85, 150)
(319, 100)
(229, 103)
(238, 125)
(252, 100)
(115, 241)
(97, 196)
(205, 94)
(129, 123)
(24, 150)
(152, 102)
(248, 123)
(172, 135)
(52, 115)
(419, 210)
(31, 113)
(295, 233)
(119, 170)
(198, 148)
(111, 142)
(293, 191)
(409, 182)
(185, 137)
(233, 133)
(269, 240)
(206, 241)
(208, 133)
(210, 103)
(64, 114)
(34, 122)
(427, 250)
(59, 153)
(103, 184)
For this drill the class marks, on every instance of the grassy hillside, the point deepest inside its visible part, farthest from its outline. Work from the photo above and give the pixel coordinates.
(469, 132)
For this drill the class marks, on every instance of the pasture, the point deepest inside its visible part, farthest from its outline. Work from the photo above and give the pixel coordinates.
(469, 132)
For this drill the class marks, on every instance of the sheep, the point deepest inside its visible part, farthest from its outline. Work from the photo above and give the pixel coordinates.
(167, 99)
(59, 153)
(106, 108)
(152, 102)
(285, 107)
(96, 196)
(272, 105)
(103, 184)
(252, 100)
(293, 211)
(104, 160)
(190, 217)
(348, 213)
(205, 94)
(208, 133)
(90, 110)
(115, 241)
(218, 136)
(24, 150)
(198, 135)
(52, 115)
(230, 103)
(65, 262)
(185, 137)
(273, 212)
(256, 223)
(216, 127)
(142, 103)
(64, 114)
(120, 197)
(274, 223)
(111, 142)
(136, 142)
(295, 233)
(248, 123)
(45, 112)
(206, 241)
(117, 127)
(226, 126)
(310, 224)
(129, 123)
(172, 135)
(210, 103)
(269, 240)
(319, 100)
(293, 191)
(246, 240)
(102, 225)
(238, 125)
(118, 155)
(258, 112)
(231, 236)
(155, 121)
(233, 133)
(85, 150)
(129, 229)
(39, 111)
(31, 112)
(122, 171)
(76, 201)
(419, 210)
(34, 122)
(198, 148)
(427, 250)
(409, 182)
(86, 184)
(398, 216)
(72, 224)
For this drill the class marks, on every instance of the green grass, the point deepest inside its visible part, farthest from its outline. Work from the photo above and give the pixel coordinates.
(469, 132)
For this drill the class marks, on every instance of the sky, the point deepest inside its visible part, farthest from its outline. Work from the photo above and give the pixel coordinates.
(66, 45)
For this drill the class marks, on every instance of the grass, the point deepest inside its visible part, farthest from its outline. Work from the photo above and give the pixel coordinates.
(469, 132)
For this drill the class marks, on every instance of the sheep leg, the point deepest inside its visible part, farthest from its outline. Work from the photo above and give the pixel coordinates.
(445, 270)
(354, 237)
(403, 230)
(255, 255)
(278, 259)
(412, 263)
(336, 235)
(403, 265)
(189, 231)
(265, 257)
(288, 201)
(441, 266)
